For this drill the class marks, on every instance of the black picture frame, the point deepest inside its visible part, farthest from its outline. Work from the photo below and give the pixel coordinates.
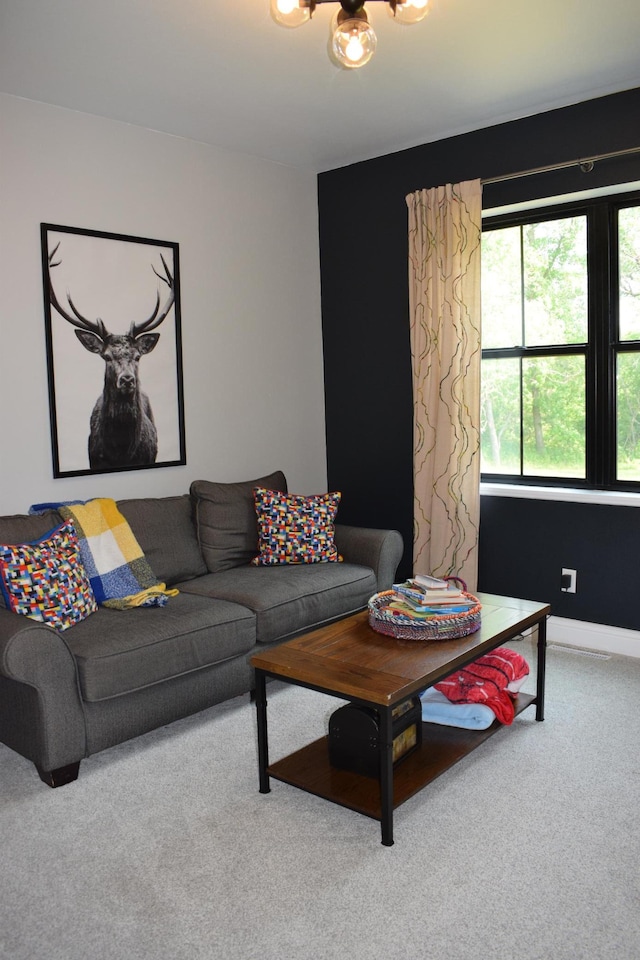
(114, 351)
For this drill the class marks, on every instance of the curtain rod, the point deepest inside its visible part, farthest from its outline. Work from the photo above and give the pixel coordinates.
(586, 165)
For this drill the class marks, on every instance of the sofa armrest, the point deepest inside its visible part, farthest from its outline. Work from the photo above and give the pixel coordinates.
(379, 549)
(41, 715)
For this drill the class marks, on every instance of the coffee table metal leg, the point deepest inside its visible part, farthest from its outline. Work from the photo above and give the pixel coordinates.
(263, 742)
(541, 668)
(386, 776)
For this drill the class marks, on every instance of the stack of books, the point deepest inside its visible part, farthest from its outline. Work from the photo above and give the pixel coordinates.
(423, 596)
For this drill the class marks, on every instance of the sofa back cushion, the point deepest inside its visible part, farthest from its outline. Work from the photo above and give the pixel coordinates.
(164, 528)
(226, 522)
(23, 528)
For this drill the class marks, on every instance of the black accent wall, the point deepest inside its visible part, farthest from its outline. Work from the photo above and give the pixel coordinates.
(365, 315)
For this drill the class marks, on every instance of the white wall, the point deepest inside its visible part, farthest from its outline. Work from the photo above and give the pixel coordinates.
(250, 288)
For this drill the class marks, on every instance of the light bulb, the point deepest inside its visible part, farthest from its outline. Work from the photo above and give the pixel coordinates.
(290, 13)
(353, 42)
(408, 11)
(354, 50)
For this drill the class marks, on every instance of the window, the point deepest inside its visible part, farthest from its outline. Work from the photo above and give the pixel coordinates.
(561, 345)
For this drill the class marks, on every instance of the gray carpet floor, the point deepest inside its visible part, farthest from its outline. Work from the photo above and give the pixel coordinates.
(165, 850)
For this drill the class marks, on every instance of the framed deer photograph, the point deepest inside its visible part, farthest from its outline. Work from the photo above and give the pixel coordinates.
(114, 351)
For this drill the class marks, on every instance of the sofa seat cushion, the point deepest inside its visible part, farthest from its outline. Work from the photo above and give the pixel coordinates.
(289, 599)
(118, 651)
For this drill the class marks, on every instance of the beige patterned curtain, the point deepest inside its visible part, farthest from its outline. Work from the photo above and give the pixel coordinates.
(444, 300)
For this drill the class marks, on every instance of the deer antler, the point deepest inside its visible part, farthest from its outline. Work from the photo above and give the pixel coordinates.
(158, 315)
(78, 320)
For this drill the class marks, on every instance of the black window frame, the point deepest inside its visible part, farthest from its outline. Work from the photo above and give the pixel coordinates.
(601, 350)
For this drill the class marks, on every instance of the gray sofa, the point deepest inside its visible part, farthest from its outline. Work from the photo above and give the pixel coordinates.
(120, 673)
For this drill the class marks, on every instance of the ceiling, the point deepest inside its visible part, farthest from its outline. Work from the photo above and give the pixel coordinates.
(222, 72)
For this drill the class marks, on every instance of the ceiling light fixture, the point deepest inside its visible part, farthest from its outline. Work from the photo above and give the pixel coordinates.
(353, 41)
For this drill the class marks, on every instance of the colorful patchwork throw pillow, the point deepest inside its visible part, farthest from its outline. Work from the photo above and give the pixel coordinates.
(46, 580)
(295, 529)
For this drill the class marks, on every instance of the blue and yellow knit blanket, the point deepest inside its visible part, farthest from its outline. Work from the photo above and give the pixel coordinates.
(119, 572)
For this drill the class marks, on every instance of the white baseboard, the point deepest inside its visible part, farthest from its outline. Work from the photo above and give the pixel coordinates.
(593, 636)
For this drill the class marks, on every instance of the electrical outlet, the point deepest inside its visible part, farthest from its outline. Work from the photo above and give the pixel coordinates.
(568, 580)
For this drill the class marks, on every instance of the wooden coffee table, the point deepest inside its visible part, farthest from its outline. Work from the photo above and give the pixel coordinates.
(350, 660)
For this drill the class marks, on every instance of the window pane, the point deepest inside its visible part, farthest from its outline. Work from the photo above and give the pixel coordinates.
(555, 281)
(629, 258)
(628, 416)
(501, 288)
(500, 416)
(540, 306)
(553, 417)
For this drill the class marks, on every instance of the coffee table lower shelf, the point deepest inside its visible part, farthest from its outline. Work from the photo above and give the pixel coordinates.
(442, 747)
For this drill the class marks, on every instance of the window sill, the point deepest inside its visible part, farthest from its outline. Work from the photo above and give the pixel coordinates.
(566, 494)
